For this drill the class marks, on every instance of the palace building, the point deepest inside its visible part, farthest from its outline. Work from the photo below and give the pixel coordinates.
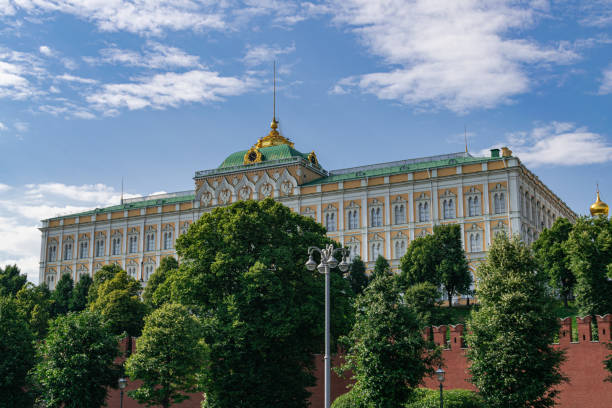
(373, 210)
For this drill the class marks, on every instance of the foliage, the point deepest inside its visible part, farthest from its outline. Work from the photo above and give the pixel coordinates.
(160, 275)
(11, 281)
(243, 272)
(386, 350)
(78, 300)
(551, 253)
(452, 266)
(76, 366)
(351, 399)
(512, 361)
(423, 299)
(457, 398)
(419, 264)
(357, 276)
(35, 302)
(590, 252)
(381, 267)
(168, 356)
(119, 303)
(16, 354)
(608, 363)
(61, 295)
(107, 272)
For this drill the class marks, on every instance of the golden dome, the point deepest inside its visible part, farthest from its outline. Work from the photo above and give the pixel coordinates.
(273, 138)
(599, 207)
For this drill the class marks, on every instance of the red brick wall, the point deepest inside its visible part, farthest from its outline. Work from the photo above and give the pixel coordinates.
(583, 366)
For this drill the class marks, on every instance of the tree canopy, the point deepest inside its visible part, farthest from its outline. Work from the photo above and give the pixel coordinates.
(513, 363)
(386, 350)
(35, 302)
(589, 247)
(169, 356)
(118, 301)
(158, 277)
(357, 276)
(62, 294)
(419, 264)
(16, 354)
(452, 267)
(78, 300)
(77, 362)
(11, 280)
(550, 251)
(242, 271)
(105, 273)
(381, 267)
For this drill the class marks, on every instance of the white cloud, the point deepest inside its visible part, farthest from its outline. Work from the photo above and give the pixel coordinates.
(22, 208)
(459, 55)
(136, 16)
(596, 13)
(155, 56)
(169, 89)
(606, 83)
(45, 50)
(265, 54)
(16, 70)
(22, 126)
(559, 144)
(73, 78)
(3, 126)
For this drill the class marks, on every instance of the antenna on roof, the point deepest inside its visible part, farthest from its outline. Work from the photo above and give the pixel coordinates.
(121, 190)
(465, 138)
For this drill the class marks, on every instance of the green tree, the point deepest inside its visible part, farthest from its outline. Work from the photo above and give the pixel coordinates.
(35, 302)
(513, 363)
(381, 267)
(357, 276)
(11, 280)
(590, 252)
(16, 354)
(76, 365)
(118, 301)
(160, 275)
(386, 350)
(62, 294)
(420, 262)
(423, 299)
(242, 272)
(78, 300)
(107, 272)
(550, 251)
(169, 355)
(451, 265)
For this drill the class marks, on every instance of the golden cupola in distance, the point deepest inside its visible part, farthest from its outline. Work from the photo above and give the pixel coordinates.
(599, 207)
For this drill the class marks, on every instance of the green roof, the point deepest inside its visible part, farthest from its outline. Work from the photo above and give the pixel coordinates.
(146, 202)
(387, 169)
(268, 154)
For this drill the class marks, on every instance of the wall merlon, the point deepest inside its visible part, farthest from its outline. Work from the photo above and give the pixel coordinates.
(584, 328)
(439, 335)
(604, 327)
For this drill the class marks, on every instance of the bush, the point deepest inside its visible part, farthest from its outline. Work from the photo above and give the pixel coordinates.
(426, 398)
(349, 400)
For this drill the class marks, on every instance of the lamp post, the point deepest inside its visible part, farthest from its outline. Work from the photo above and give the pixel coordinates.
(327, 262)
(440, 373)
(122, 385)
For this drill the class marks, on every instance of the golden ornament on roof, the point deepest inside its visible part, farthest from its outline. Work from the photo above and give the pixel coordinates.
(599, 207)
(273, 138)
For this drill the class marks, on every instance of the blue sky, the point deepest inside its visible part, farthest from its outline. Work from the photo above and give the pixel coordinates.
(93, 90)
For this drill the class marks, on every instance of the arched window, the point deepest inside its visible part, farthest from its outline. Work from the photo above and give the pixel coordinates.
(116, 247)
(423, 212)
(353, 219)
(83, 249)
(52, 255)
(376, 250)
(330, 222)
(133, 244)
(473, 206)
(475, 245)
(100, 247)
(499, 203)
(132, 270)
(168, 239)
(68, 251)
(400, 214)
(527, 211)
(150, 242)
(376, 216)
(533, 210)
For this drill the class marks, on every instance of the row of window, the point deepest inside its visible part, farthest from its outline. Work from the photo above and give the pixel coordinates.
(536, 212)
(116, 248)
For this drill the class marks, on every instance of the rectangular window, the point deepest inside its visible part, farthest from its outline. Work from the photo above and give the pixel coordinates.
(133, 244)
(83, 250)
(52, 253)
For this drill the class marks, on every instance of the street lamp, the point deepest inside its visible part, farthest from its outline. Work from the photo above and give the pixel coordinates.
(122, 385)
(327, 262)
(440, 373)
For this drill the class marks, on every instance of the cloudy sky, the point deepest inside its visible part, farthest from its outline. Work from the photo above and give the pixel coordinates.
(152, 90)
